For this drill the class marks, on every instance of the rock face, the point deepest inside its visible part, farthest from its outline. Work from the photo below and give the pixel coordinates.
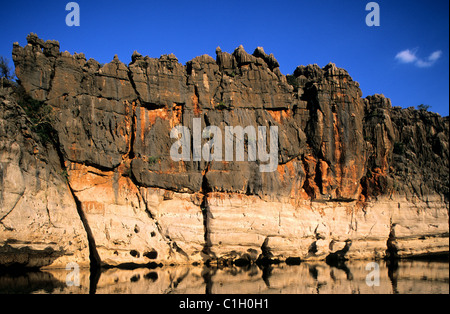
(39, 221)
(350, 172)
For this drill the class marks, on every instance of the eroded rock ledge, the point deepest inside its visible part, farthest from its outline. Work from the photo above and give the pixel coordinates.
(355, 176)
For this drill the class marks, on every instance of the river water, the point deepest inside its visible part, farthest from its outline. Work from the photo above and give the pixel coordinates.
(403, 277)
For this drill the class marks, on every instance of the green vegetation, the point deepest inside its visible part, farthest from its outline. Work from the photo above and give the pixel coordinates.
(152, 160)
(423, 107)
(5, 70)
(38, 113)
(6, 73)
(222, 106)
(65, 175)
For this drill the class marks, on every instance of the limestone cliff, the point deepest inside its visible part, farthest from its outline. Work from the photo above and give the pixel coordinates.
(355, 177)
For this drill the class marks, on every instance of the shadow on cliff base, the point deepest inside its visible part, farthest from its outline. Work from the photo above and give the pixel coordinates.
(26, 258)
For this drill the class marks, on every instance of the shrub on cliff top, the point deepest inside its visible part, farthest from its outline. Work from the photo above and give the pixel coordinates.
(5, 70)
(39, 114)
(423, 107)
(6, 74)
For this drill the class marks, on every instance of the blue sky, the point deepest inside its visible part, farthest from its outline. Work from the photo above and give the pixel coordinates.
(406, 58)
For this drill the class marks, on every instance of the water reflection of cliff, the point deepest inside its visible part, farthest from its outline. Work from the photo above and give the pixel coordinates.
(306, 278)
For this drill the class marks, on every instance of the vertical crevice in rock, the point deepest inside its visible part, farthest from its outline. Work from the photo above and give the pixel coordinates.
(307, 186)
(52, 76)
(172, 244)
(204, 206)
(133, 132)
(94, 257)
(133, 105)
(206, 214)
(318, 178)
(133, 84)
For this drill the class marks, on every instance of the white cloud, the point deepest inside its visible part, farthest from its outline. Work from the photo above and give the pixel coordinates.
(424, 64)
(435, 56)
(406, 56)
(409, 56)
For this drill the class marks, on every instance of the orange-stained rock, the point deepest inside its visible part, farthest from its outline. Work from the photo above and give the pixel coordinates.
(352, 173)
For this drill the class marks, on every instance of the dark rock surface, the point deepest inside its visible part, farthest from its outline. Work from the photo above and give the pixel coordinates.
(333, 145)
